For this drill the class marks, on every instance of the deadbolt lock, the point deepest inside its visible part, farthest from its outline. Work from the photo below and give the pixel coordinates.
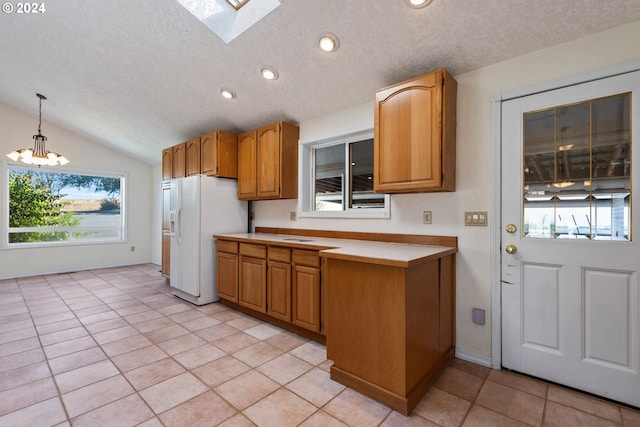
(511, 228)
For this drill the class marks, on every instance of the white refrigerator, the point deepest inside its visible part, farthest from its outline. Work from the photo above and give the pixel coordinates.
(200, 207)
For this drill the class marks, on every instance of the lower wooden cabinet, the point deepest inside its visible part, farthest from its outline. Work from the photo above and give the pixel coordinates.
(279, 290)
(227, 276)
(227, 270)
(306, 289)
(306, 297)
(166, 255)
(253, 283)
(283, 283)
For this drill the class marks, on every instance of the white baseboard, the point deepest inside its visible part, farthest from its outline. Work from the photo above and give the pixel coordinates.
(469, 356)
(71, 270)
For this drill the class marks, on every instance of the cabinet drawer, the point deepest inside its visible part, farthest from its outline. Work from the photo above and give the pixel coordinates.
(279, 254)
(227, 246)
(304, 257)
(250, 249)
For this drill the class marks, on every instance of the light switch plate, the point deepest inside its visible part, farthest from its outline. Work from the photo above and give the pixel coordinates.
(293, 216)
(476, 219)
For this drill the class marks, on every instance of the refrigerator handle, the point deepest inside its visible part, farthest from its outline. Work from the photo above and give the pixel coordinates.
(179, 225)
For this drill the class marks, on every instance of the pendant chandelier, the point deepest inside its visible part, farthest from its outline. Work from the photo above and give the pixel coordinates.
(38, 155)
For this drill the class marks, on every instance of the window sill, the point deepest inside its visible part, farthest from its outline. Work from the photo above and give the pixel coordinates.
(350, 214)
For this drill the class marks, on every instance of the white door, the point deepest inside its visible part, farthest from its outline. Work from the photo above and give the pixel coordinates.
(569, 244)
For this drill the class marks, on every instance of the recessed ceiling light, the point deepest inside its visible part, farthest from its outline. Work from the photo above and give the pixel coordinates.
(268, 72)
(329, 42)
(417, 4)
(227, 93)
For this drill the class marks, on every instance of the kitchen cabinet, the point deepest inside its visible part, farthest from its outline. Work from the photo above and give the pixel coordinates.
(383, 303)
(192, 157)
(279, 283)
(392, 328)
(247, 181)
(415, 135)
(306, 289)
(167, 163)
(268, 162)
(219, 154)
(166, 228)
(252, 282)
(227, 270)
(178, 161)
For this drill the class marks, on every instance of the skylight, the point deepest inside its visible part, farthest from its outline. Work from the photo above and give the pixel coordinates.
(237, 4)
(229, 18)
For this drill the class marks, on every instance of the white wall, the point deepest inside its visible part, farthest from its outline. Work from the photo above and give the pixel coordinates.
(16, 131)
(475, 169)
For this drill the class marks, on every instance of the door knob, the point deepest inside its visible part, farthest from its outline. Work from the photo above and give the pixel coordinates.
(511, 249)
(511, 228)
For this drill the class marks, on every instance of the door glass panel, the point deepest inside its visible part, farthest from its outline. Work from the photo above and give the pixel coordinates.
(577, 170)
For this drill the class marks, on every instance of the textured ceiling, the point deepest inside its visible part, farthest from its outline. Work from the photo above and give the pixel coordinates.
(143, 75)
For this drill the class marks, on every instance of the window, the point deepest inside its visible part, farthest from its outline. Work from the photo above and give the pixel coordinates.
(577, 170)
(237, 4)
(340, 183)
(56, 206)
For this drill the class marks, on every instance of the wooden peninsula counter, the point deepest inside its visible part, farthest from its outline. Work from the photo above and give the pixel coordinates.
(387, 307)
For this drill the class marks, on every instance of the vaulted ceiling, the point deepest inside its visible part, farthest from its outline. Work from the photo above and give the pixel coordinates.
(142, 75)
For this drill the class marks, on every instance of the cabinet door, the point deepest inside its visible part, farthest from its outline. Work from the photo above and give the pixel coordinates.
(279, 290)
(209, 154)
(227, 276)
(268, 155)
(306, 297)
(247, 166)
(253, 283)
(166, 256)
(167, 162)
(219, 154)
(192, 157)
(179, 160)
(409, 125)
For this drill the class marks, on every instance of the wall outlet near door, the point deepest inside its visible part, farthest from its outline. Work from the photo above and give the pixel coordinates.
(477, 315)
(426, 217)
(476, 219)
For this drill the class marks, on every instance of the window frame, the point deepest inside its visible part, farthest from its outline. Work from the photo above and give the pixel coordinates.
(306, 207)
(5, 229)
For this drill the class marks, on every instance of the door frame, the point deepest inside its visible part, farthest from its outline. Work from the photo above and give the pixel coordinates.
(496, 223)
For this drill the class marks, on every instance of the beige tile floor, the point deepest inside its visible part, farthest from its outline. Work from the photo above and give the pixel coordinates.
(113, 347)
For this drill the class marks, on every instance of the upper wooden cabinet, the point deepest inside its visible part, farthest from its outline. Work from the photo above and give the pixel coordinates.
(268, 162)
(219, 154)
(167, 162)
(213, 154)
(192, 157)
(179, 161)
(415, 135)
(247, 183)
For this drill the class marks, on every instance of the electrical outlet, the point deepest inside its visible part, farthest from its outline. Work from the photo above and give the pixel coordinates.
(476, 219)
(426, 217)
(293, 216)
(133, 248)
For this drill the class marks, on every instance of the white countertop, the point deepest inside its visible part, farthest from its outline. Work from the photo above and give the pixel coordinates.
(394, 254)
